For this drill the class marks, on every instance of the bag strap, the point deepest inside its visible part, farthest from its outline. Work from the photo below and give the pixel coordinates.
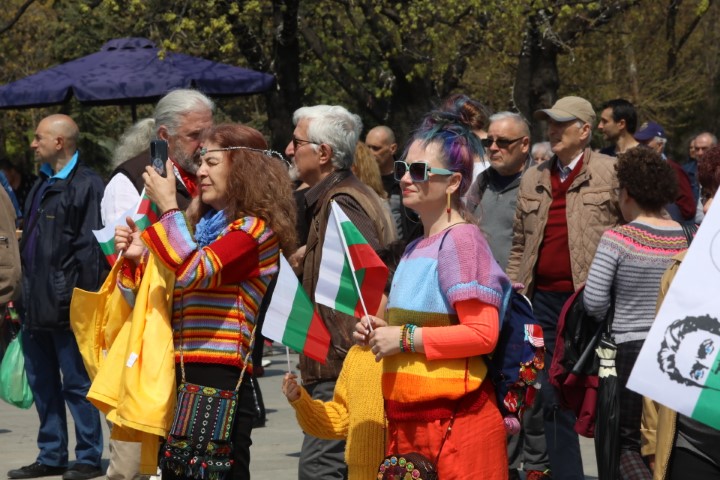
(182, 356)
(689, 229)
(447, 432)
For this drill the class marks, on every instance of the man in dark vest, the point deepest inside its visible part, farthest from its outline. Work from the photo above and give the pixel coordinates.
(180, 118)
(493, 199)
(322, 147)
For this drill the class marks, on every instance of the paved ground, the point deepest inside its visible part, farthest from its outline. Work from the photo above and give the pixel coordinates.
(275, 448)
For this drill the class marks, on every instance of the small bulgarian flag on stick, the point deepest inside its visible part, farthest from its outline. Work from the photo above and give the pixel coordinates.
(352, 276)
(145, 213)
(291, 319)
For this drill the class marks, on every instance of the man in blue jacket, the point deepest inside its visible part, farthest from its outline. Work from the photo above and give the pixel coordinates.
(59, 253)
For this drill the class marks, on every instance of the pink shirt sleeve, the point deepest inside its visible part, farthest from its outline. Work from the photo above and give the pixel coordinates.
(477, 333)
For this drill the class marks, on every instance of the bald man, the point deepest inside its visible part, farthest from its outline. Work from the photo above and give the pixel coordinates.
(381, 141)
(59, 253)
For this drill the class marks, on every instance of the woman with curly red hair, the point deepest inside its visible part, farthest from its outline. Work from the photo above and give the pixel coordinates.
(224, 253)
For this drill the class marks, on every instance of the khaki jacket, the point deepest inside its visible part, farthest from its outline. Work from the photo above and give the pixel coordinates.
(592, 208)
(659, 422)
(9, 252)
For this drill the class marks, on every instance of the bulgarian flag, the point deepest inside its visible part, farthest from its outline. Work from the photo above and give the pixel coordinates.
(144, 214)
(352, 277)
(291, 319)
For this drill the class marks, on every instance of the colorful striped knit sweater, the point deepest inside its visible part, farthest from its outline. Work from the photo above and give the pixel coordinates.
(428, 281)
(218, 288)
(355, 413)
(629, 262)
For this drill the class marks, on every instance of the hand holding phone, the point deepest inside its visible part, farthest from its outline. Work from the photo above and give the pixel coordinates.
(159, 156)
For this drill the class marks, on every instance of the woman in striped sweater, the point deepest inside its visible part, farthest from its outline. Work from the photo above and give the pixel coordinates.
(443, 313)
(224, 251)
(628, 265)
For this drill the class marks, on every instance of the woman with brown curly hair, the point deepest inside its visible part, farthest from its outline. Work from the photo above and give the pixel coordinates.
(224, 253)
(628, 265)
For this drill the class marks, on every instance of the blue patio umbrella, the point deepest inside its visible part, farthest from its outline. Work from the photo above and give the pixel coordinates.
(128, 71)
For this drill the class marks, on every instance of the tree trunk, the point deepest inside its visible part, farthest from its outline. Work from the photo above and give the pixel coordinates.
(287, 97)
(537, 79)
(410, 102)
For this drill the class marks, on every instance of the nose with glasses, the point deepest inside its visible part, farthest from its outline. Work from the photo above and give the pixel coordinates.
(500, 142)
(419, 171)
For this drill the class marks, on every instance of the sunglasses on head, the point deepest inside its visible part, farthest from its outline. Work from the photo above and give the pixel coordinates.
(419, 171)
(500, 142)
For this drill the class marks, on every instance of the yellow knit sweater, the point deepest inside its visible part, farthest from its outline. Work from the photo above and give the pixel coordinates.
(356, 413)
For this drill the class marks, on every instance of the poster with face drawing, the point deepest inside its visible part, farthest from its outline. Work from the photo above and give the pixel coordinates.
(679, 365)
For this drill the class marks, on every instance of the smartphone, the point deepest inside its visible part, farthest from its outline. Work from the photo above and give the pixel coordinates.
(159, 156)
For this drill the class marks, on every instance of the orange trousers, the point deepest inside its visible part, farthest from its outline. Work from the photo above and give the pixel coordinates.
(475, 448)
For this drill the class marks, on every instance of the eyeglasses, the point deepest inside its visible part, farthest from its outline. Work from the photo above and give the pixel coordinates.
(298, 142)
(500, 142)
(269, 153)
(419, 171)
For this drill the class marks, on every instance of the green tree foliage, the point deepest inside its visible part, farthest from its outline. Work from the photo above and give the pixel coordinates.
(389, 61)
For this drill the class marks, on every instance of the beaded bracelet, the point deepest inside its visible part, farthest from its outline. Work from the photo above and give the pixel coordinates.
(403, 338)
(411, 337)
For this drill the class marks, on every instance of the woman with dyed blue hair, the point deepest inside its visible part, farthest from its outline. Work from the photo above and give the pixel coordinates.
(438, 400)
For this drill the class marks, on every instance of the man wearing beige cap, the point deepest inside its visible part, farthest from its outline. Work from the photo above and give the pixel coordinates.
(564, 205)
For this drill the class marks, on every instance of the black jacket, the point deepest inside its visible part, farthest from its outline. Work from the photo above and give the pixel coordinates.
(135, 167)
(66, 253)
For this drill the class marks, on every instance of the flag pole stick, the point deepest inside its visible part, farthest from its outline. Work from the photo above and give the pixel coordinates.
(347, 255)
(287, 356)
(137, 207)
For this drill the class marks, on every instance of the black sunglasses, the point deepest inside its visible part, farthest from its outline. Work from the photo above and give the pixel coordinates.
(419, 171)
(500, 142)
(297, 142)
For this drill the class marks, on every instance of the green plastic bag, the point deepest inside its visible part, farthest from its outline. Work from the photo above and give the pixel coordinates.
(14, 387)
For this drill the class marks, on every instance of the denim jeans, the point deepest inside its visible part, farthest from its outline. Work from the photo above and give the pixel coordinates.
(563, 444)
(47, 354)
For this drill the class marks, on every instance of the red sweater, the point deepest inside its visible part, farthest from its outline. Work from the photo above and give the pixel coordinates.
(554, 272)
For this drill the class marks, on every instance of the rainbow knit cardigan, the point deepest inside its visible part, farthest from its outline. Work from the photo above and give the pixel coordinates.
(218, 288)
(429, 280)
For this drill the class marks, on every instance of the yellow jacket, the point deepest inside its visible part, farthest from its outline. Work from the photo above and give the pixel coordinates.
(356, 413)
(135, 383)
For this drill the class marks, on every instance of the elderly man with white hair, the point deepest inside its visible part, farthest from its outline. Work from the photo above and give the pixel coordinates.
(323, 147)
(563, 207)
(180, 118)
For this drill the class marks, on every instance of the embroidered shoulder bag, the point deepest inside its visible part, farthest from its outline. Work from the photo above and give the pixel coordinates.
(199, 444)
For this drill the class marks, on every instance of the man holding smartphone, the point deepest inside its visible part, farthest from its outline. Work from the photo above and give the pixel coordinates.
(180, 118)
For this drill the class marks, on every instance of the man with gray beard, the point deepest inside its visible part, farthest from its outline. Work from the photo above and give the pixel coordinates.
(180, 118)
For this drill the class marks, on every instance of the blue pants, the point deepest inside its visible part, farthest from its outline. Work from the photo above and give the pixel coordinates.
(47, 355)
(563, 444)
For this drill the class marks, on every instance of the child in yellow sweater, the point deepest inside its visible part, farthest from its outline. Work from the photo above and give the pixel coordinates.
(356, 412)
